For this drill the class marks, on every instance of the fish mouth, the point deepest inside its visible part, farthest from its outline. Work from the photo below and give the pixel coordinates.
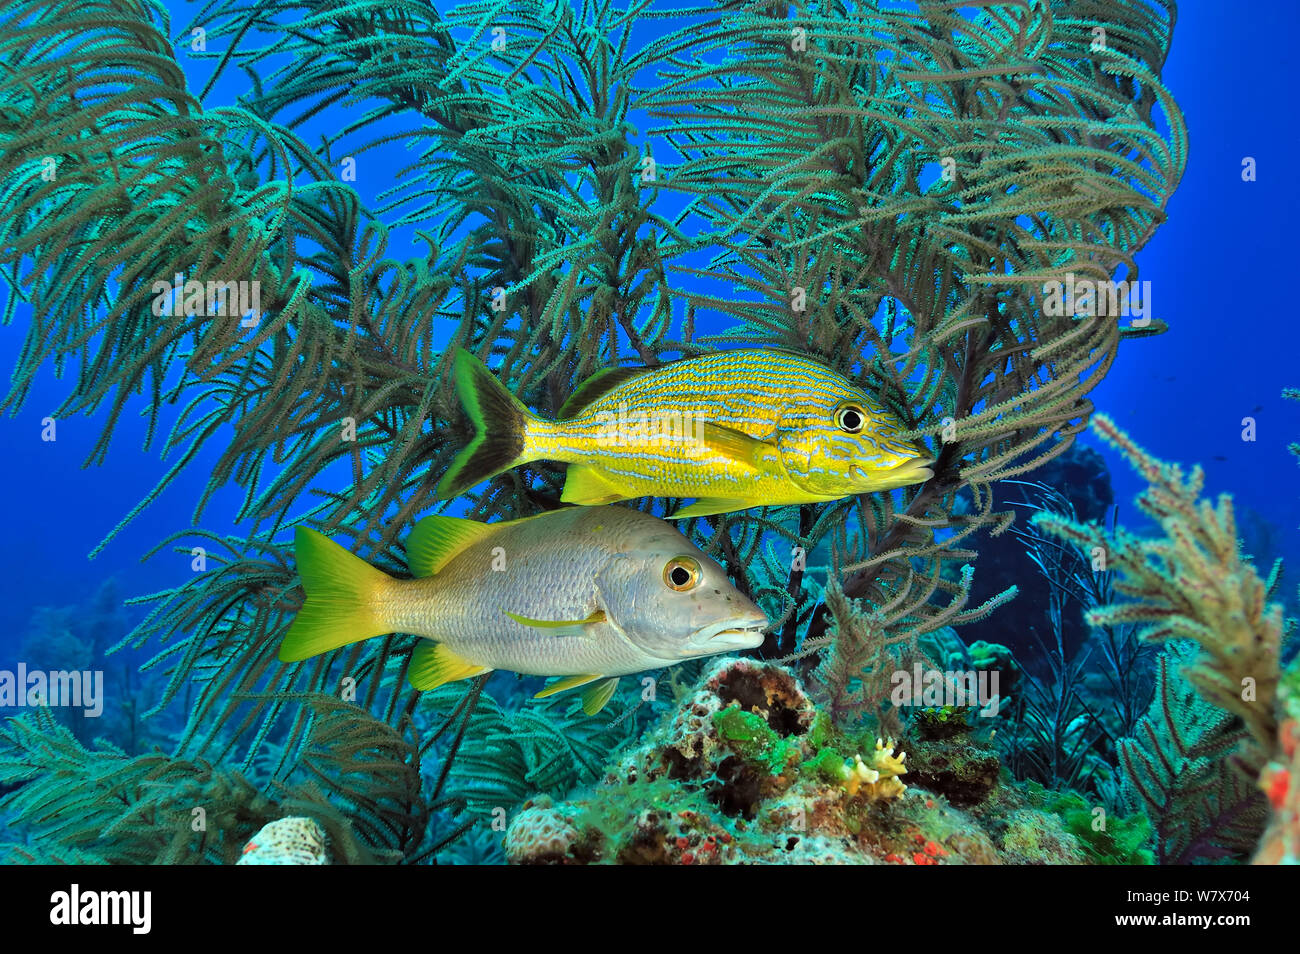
(914, 470)
(745, 632)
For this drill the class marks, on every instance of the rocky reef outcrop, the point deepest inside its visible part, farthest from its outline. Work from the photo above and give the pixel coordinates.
(747, 770)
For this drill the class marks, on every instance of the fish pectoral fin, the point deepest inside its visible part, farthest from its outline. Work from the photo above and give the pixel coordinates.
(585, 485)
(560, 627)
(433, 664)
(568, 682)
(734, 445)
(594, 697)
(435, 540)
(711, 505)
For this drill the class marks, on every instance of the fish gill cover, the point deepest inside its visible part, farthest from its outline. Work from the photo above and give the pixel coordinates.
(287, 272)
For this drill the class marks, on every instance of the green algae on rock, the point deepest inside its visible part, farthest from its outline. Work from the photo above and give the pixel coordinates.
(745, 770)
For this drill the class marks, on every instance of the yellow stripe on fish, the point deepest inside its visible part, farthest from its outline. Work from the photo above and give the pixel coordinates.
(734, 429)
(586, 593)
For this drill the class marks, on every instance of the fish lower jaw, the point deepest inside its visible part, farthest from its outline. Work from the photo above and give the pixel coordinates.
(727, 636)
(733, 639)
(911, 472)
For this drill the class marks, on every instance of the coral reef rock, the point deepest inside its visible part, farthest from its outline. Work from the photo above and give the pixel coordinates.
(948, 761)
(287, 841)
(747, 770)
(1280, 781)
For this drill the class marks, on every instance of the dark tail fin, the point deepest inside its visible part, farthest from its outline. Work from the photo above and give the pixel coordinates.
(499, 421)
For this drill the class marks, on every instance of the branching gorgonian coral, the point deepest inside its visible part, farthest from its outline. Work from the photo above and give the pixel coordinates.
(1194, 758)
(1193, 582)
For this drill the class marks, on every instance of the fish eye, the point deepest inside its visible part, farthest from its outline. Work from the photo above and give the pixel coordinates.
(682, 573)
(850, 418)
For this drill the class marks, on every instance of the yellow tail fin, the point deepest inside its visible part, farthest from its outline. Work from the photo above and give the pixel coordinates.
(341, 607)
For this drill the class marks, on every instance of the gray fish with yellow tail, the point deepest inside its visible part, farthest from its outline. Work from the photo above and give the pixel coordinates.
(733, 429)
(585, 593)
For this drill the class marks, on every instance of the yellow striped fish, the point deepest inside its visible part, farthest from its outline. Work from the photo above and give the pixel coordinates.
(734, 429)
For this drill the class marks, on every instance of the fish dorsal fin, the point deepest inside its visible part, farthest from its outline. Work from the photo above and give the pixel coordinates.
(595, 387)
(734, 445)
(559, 627)
(433, 664)
(435, 540)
